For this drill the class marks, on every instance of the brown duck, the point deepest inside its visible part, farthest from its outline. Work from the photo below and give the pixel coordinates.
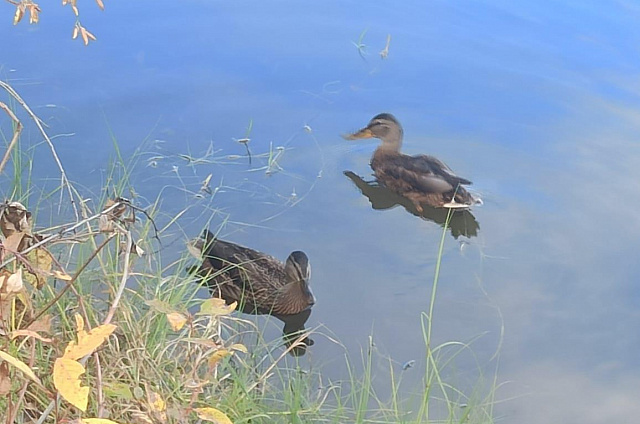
(260, 283)
(422, 179)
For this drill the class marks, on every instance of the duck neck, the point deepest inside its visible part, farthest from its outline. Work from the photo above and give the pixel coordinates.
(392, 142)
(296, 295)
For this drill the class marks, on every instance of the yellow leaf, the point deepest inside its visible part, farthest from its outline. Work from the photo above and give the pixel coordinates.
(239, 347)
(66, 379)
(217, 356)
(29, 333)
(61, 275)
(156, 403)
(87, 341)
(176, 320)
(97, 421)
(212, 414)
(40, 260)
(19, 14)
(20, 365)
(79, 323)
(216, 306)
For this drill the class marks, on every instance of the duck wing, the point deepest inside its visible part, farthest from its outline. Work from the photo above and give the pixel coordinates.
(422, 171)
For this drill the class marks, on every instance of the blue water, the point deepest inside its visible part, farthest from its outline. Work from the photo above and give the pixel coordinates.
(537, 103)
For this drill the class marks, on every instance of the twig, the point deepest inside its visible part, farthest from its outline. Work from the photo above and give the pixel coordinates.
(123, 281)
(38, 122)
(74, 278)
(16, 134)
(60, 233)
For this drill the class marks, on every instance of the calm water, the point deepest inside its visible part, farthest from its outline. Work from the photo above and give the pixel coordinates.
(538, 104)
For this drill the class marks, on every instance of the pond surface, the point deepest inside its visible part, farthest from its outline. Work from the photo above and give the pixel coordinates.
(538, 104)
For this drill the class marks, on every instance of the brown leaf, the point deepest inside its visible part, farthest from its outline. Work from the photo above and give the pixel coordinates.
(15, 217)
(43, 324)
(100, 4)
(29, 333)
(5, 381)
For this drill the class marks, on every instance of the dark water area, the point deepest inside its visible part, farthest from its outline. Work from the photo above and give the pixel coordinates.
(537, 104)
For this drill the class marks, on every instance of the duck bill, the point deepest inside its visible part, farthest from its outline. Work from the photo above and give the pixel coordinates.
(363, 133)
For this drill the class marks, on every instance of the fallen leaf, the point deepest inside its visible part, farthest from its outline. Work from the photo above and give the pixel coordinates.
(5, 381)
(87, 341)
(66, 379)
(212, 414)
(176, 320)
(157, 406)
(216, 306)
(24, 368)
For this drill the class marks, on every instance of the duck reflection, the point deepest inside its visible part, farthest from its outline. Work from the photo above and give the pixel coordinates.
(462, 223)
(261, 284)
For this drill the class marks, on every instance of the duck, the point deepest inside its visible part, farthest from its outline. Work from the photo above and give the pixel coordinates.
(422, 179)
(260, 283)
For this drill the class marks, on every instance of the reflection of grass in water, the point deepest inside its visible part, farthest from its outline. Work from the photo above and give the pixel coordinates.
(147, 356)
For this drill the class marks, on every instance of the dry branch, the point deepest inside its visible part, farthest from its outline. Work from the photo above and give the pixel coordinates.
(16, 134)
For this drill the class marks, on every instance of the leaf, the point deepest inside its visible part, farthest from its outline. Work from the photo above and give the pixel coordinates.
(194, 247)
(5, 381)
(217, 356)
(212, 414)
(97, 421)
(19, 14)
(29, 333)
(14, 283)
(176, 320)
(157, 406)
(61, 275)
(20, 365)
(239, 347)
(159, 306)
(100, 4)
(12, 242)
(43, 324)
(66, 379)
(118, 390)
(87, 341)
(40, 260)
(216, 306)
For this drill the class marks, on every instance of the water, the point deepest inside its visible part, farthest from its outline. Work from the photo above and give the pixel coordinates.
(537, 104)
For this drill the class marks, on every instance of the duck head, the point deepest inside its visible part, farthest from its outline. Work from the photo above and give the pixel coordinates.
(384, 127)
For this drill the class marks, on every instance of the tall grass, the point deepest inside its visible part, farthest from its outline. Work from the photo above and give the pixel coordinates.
(204, 362)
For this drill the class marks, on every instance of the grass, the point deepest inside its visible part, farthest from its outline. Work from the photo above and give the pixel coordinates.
(154, 371)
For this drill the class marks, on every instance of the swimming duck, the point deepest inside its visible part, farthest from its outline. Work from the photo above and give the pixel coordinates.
(260, 283)
(422, 179)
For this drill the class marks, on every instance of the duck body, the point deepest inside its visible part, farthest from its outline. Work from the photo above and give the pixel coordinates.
(422, 179)
(260, 283)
